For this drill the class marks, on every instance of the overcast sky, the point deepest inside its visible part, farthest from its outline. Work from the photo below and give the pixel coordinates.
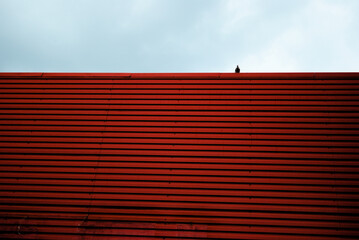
(179, 35)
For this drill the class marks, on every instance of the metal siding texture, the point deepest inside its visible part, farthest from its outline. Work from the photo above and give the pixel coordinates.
(179, 156)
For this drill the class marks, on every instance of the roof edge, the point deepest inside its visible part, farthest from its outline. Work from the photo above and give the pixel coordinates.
(272, 75)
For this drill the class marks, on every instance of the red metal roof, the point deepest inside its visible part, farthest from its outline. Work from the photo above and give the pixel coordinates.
(179, 155)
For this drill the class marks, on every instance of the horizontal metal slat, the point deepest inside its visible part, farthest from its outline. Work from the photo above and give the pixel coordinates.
(180, 147)
(179, 202)
(181, 172)
(77, 96)
(190, 136)
(194, 130)
(249, 220)
(166, 86)
(197, 122)
(154, 235)
(171, 226)
(99, 192)
(304, 166)
(111, 120)
(113, 114)
(185, 107)
(238, 187)
(194, 81)
(180, 141)
(185, 153)
(110, 91)
(179, 178)
(188, 159)
(178, 102)
(206, 215)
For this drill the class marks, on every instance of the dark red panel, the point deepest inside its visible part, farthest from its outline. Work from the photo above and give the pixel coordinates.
(179, 156)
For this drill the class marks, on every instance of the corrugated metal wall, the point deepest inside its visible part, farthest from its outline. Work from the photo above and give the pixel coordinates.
(179, 156)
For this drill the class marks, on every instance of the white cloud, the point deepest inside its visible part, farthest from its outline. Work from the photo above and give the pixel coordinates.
(317, 37)
(234, 13)
(179, 35)
(279, 55)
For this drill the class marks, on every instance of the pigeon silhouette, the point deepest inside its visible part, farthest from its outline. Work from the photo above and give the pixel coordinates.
(237, 69)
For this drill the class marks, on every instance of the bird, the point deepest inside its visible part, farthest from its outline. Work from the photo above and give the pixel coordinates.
(237, 70)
